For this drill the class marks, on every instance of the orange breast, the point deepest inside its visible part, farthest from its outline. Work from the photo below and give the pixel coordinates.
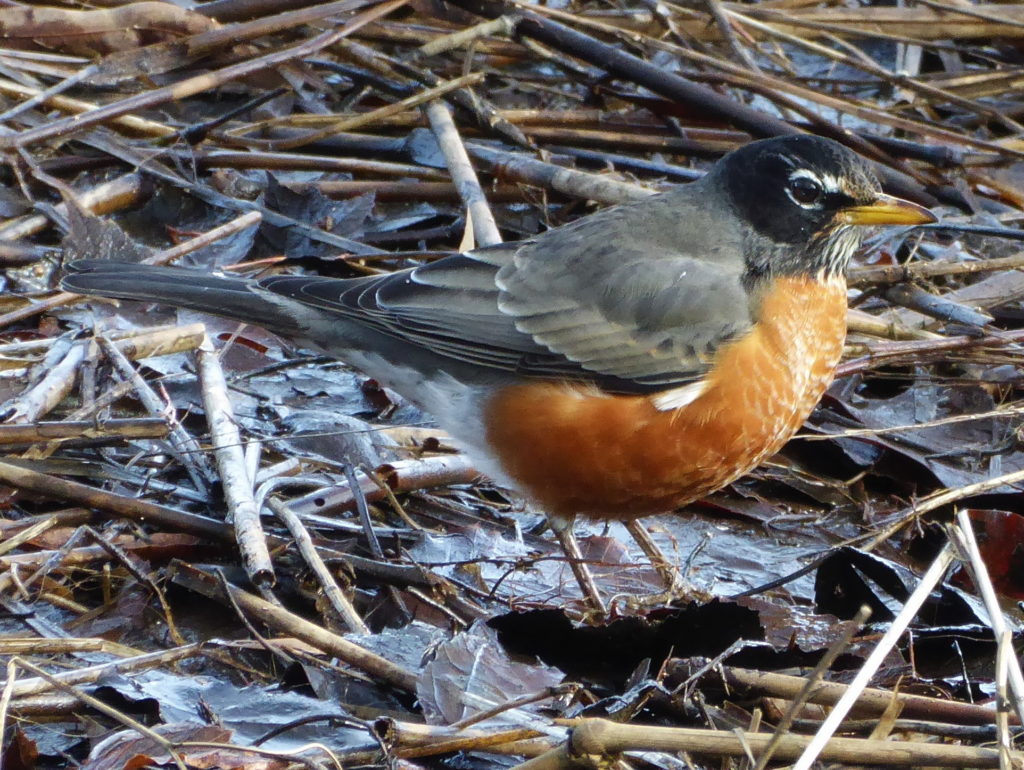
(575, 450)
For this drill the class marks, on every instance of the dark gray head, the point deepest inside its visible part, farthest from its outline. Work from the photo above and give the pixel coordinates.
(805, 198)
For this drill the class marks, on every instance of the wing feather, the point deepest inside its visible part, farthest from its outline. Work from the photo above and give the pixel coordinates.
(646, 312)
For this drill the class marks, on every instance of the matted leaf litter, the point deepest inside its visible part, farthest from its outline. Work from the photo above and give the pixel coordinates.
(337, 585)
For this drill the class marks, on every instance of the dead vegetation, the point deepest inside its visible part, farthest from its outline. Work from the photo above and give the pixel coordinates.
(219, 551)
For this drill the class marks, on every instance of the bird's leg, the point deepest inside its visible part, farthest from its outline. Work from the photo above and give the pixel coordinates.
(563, 531)
(668, 571)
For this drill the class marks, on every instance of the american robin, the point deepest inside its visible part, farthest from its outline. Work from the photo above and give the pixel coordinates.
(622, 365)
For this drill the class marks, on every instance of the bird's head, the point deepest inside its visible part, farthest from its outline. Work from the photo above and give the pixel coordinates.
(807, 199)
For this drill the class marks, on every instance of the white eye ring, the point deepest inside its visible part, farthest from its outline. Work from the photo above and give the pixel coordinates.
(805, 189)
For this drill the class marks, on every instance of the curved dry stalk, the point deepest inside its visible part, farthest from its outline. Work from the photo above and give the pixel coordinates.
(342, 606)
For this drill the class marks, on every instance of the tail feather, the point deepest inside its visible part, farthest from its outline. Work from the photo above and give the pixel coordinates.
(230, 297)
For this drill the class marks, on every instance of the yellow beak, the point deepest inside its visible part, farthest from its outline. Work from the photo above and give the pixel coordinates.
(887, 210)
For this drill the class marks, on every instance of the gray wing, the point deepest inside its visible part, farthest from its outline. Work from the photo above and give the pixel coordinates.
(608, 300)
(634, 302)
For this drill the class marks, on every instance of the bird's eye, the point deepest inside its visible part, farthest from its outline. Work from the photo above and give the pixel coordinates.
(805, 191)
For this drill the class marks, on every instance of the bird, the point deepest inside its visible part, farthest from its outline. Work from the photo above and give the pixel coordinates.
(625, 364)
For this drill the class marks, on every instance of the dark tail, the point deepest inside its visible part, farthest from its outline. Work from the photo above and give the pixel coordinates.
(236, 298)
